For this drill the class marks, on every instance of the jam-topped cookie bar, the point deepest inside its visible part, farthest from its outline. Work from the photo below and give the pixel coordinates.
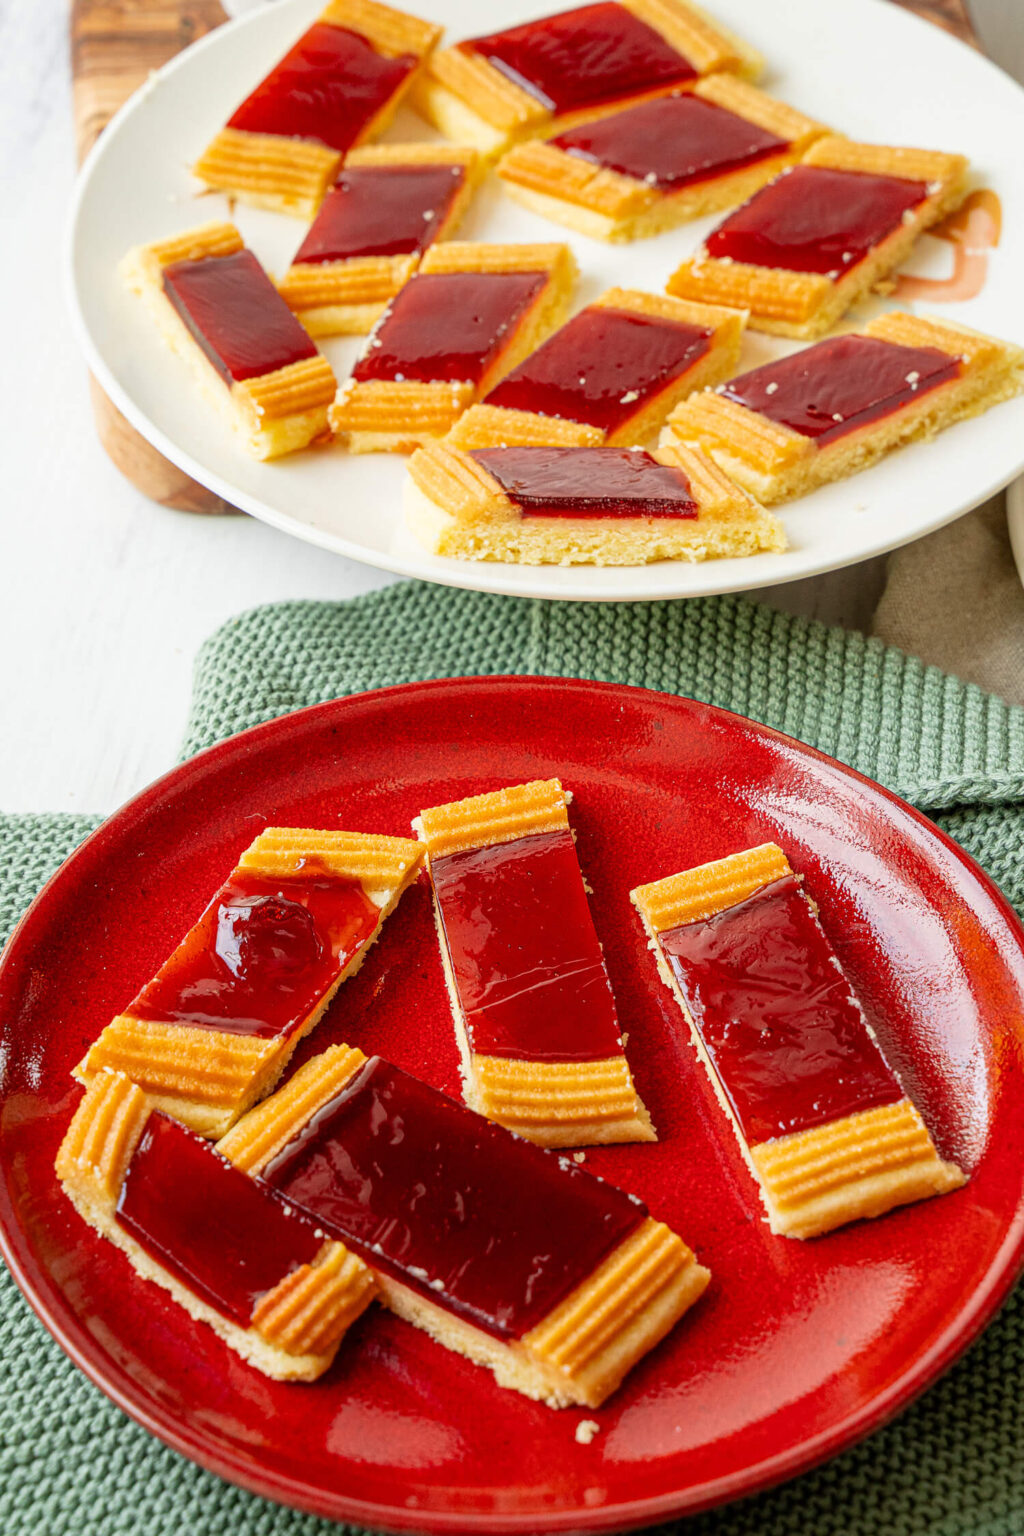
(230, 1250)
(217, 308)
(497, 1248)
(535, 1018)
(610, 375)
(389, 203)
(215, 1028)
(338, 86)
(573, 506)
(652, 166)
(470, 313)
(835, 408)
(528, 80)
(820, 236)
(827, 1130)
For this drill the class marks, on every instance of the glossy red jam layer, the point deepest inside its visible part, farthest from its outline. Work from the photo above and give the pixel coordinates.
(839, 385)
(475, 1219)
(449, 325)
(225, 1236)
(583, 57)
(329, 88)
(237, 316)
(526, 959)
(381, 210)
(784, 1032)
(812, 219)
(602, 368)
(261, 956)
(671, 142)
(588, 482)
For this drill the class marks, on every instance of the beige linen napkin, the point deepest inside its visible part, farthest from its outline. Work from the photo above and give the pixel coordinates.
(955, 599)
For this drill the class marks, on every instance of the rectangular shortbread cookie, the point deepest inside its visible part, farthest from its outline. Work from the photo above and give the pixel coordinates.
(499, 1249)
(338, 86)
(529, 80)
(535, 1017)
(571, 506)
(470, 313)
(825, 1126)
(835, 408)
(820, 236)
(655, 165)
(232, 1252)
(611, 375)
(217, 1025)
(218, 310)
(388, 204)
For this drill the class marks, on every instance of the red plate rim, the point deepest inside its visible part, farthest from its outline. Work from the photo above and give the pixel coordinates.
(32, 1278)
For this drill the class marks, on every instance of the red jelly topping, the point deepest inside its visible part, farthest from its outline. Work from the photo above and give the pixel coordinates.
(474, 1218)
(602, 368)
(837, 386)
(236, 315)
(225, 1236)
(580, 58)
(261, 956)
(785, 1034)
(671, 141)
(812, 219)
(527, 963)
(588, 482)
(448, 325)
(381, 210)
(329, 87)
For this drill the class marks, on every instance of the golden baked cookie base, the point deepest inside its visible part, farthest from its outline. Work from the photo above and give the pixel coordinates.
(470, 101)
(273, 414)
(776, 463)
(391, 32)
(296, 1327)
(285, 175)
(500, 816)
(207, 1078)
(290, 175)
(700, 893)
(383, 865)
(807, 304)
(489, 426)
(347, 298)
(558, 1103)
(849, 1170)
(266, 1130)
(813, 1181)
(609, 205)
(391, 416)
(496, 426)
(456, 509)
(581, 1351)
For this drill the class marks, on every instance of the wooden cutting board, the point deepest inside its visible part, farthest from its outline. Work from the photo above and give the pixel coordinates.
(114, 46)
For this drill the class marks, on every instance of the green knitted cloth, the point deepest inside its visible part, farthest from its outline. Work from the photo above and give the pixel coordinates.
(953, 1465)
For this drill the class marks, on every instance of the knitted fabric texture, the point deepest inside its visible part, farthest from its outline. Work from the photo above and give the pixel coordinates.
(953, 1464)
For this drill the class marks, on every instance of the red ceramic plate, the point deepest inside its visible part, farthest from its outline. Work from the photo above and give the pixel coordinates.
(795, 1351)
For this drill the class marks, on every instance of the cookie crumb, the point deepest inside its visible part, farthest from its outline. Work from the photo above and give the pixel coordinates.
(586, 1429)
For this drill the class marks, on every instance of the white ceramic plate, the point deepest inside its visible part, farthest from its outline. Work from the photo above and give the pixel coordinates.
(864, 66)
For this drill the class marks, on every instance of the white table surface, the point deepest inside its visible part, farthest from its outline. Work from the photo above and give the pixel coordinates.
(104, 597)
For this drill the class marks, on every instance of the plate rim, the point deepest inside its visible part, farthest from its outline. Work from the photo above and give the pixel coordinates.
(466, 575)
(187, 1439)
